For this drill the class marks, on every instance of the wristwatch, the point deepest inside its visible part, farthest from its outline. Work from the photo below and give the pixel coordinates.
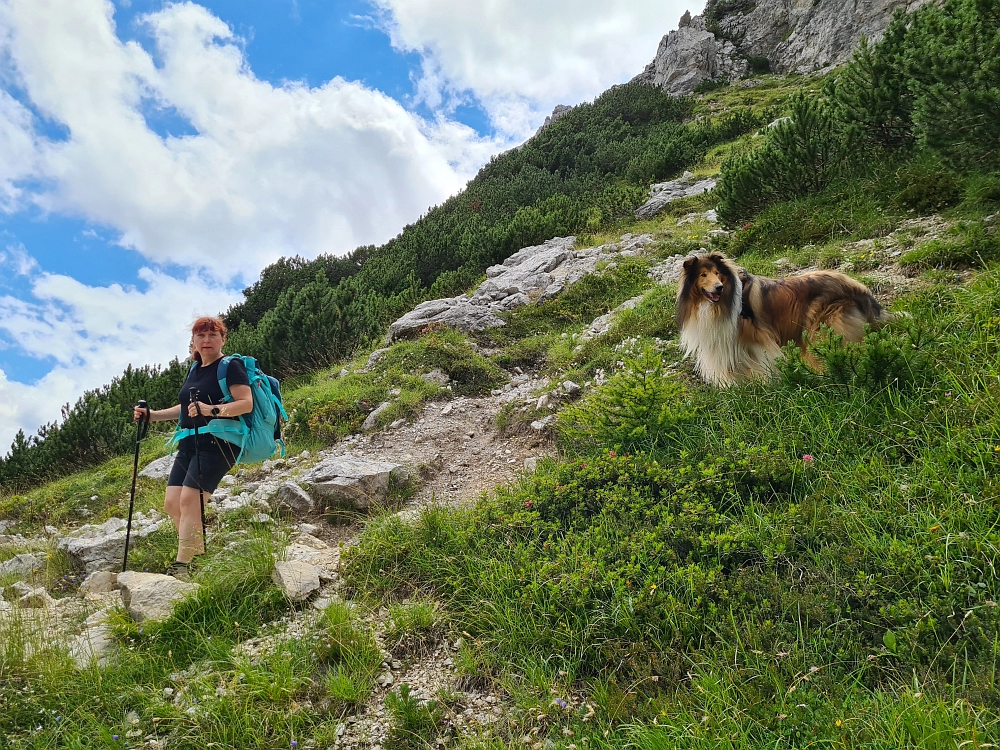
(215, 411)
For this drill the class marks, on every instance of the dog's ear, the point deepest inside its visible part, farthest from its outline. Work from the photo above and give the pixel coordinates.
(718, 257)
(689, 262)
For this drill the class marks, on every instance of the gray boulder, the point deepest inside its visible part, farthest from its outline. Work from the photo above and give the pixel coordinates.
(93, 548)
(296, 578)
(371, 421)
(158, 469)
(293, 497)
(151, 596)
(22, 565)
(352, 483)
(436, 377)
(664, 193)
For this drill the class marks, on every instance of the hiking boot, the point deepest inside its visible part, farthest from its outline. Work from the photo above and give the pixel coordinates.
(177, 570)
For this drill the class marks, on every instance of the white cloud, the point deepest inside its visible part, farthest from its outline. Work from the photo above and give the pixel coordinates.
(519, 57)
(272, 170)
(93, 333)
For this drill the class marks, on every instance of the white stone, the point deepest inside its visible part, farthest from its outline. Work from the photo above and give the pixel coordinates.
(570, 388)
(541, 424)
(158, 469)
(151, 596)
(297, 579)
(530, 464)
(436, 377)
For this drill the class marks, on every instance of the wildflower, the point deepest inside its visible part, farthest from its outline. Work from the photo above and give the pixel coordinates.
(808, 459)
(996, 448)
(839, 723)
(652, 587)
(114, 737)
(936, 527)
(528, 503)
(295, 743)
(611, 454)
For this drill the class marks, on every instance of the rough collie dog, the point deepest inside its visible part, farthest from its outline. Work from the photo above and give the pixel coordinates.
(734, 323)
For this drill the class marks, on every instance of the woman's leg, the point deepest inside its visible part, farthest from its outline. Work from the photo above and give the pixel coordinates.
(172, 506)
(190, 540)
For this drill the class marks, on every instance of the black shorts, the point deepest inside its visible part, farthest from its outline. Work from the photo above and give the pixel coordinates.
(215, 464)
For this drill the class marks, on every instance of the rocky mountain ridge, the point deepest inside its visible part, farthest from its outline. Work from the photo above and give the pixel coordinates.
(792, 36)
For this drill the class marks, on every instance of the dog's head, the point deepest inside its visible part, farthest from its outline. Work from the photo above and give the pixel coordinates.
(712, 277)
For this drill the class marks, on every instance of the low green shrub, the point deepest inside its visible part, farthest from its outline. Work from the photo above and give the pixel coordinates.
(415, 722)
(638, 409)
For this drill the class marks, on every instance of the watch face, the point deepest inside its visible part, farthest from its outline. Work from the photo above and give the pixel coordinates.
(215, 411)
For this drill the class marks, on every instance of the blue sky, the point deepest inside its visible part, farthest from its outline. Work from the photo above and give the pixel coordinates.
(155, 156)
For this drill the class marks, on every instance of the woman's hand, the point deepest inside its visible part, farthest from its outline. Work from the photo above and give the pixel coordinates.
(206, 409)
(140, 412)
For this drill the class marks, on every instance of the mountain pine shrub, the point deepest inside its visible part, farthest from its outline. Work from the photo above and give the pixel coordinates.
(800, 156)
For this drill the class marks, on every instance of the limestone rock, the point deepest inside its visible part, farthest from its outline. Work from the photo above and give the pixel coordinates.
(293, 497)
(371, 421)
(373, 359)
(95, 645)
(37, 598)
(532, 275)
(296, 578)
(98, 583)
(325, 560)
(663, 193)
(93, 548)
(158, 469)
(351, 482)
(21, 565)
(152, 596)
(557, 112)
(603, 324)
(804, 37)
(690, 55)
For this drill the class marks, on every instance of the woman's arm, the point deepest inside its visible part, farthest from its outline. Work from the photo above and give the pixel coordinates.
(158, 415)
(242, 403)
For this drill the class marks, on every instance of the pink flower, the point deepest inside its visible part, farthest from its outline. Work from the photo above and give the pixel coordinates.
(808, 459)
(528, 503)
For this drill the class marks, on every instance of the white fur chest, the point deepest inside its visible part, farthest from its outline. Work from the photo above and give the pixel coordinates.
(713, 339)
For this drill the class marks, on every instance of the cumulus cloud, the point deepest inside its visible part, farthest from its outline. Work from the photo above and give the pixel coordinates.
(518, 57)
(269, 171)
(93, 334)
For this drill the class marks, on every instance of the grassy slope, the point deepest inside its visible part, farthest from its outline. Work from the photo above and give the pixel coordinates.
(704, 586)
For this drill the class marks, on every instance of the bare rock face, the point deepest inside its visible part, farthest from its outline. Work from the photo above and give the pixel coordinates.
(352, 483)
(799, 36)
(690, 55)
(151, 596)
(22, 565)
(94, 645)
(803, 36)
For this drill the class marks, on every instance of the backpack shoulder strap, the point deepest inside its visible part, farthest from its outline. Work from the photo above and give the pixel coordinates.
(223, 371)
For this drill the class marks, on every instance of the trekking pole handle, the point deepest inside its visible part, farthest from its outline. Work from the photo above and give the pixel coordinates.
(145, 407)
(195, 396)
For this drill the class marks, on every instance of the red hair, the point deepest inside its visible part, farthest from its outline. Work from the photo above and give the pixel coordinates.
(207, 325)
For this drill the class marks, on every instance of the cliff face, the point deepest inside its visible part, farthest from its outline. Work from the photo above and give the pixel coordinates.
(793, 35)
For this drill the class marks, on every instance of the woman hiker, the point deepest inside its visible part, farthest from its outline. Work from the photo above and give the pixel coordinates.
(183, 502)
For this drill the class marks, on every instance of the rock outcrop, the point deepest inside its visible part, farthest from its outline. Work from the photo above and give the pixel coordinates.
(794, 36)
(92, 547)
(531, 275)
(690, 55)
(663, 193)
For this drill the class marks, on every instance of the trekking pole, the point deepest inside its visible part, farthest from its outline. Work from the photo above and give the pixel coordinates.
(195, 398)
(141, 428)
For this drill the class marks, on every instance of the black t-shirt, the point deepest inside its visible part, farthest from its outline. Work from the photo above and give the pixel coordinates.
(206, 381)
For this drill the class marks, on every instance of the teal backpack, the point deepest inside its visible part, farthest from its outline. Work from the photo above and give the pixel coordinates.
(258, 439)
